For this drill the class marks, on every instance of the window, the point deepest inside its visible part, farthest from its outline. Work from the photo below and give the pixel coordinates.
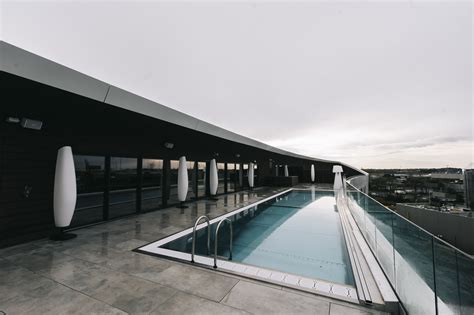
(191, 180)
(239, 176)
(245, 177)
(201, 179)
(152, 177)
(173, 180)
(231, 177)
(90, 183)
(221, 178)
(123, 186)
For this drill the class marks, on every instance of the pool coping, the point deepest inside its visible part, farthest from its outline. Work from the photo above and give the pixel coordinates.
(334, 290)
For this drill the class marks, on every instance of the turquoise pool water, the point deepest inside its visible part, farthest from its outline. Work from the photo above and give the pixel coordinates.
(298, 233)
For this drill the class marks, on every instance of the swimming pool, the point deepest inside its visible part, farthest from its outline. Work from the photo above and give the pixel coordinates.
(296, 236)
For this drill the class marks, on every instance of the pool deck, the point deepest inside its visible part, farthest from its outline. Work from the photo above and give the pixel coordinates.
(98, 273)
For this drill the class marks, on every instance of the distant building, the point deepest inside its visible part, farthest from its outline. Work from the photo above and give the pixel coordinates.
(469, 188)
(453, 176)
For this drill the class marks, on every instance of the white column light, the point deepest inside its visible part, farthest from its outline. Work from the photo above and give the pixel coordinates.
(213, 179)
(183, 182)
(337, 170)
(251, 174)
(65, 192)
(313, 173)
(286, 171)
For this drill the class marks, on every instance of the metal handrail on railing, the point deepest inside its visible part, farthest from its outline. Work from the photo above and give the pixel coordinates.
(193, 248)
(217, 237)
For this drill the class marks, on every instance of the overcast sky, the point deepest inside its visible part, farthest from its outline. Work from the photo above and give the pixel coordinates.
(387, 84)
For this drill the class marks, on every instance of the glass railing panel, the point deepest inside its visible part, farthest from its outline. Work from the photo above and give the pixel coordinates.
(384, 237)
(414, 275)
(428, 275)
(358, 212)
(446, 276)
(466, 283)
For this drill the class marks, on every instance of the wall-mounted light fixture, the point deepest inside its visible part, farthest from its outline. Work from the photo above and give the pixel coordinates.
(12, 120)
(168, 145)
(31, 124)
(237, 155)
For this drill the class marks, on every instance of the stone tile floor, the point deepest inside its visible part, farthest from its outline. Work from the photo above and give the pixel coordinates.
(98, 273)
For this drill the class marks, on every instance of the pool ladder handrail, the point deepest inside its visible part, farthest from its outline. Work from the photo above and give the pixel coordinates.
(193, 248)
(216, 238)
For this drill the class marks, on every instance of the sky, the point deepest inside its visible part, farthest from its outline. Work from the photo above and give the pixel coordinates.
(373, 84)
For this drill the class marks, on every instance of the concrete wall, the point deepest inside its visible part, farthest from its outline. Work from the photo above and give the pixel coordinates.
(455, 229)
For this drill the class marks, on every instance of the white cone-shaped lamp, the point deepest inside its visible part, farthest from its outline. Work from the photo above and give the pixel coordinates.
(65, 193)
(286, 171)
(251, 175)
(337, 170)
(182, 180)
(313, 173)
(213, 179)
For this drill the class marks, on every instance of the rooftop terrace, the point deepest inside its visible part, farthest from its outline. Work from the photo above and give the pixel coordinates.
(99, 273)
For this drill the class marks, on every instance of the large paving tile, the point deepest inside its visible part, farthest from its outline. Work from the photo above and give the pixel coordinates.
(120, 290)
(57, 299)
(183, 303)
(81, 275)
(134, 295)
(125, 261)
(130, 244)
(206, 284)
(94, 253)
(260, 299)
(39, 259)
(17, 282)
(140, 265)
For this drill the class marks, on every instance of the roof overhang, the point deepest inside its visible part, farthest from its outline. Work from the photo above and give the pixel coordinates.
(25, 64)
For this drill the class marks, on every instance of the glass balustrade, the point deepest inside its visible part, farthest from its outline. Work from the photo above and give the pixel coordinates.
(429, 275)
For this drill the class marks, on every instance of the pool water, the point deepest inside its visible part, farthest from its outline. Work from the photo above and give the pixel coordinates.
(298, 233)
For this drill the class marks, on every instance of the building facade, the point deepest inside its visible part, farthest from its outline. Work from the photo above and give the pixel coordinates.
(126, 149)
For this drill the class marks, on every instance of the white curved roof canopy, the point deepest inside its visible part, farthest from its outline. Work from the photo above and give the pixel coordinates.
(22, 63)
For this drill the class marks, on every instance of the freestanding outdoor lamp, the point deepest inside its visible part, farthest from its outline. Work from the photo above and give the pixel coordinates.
(313, 174)
(65, 193)
(251, 174)
(337, 170)
(182, 182)
(213, 179)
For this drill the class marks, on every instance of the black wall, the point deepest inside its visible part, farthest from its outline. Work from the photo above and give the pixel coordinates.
(27, 157)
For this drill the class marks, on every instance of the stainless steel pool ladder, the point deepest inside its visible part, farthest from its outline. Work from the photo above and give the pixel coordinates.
(216, 238)
(208, 236)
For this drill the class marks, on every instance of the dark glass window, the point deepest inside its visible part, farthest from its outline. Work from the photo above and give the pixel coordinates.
(173, 180)
(245, 179)
(201, 179)
(255, 175)
(123, 186)
(191, 180)
(220, 177)
(152, 176)
(238, 177)
(231, 177)
(90, 182)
